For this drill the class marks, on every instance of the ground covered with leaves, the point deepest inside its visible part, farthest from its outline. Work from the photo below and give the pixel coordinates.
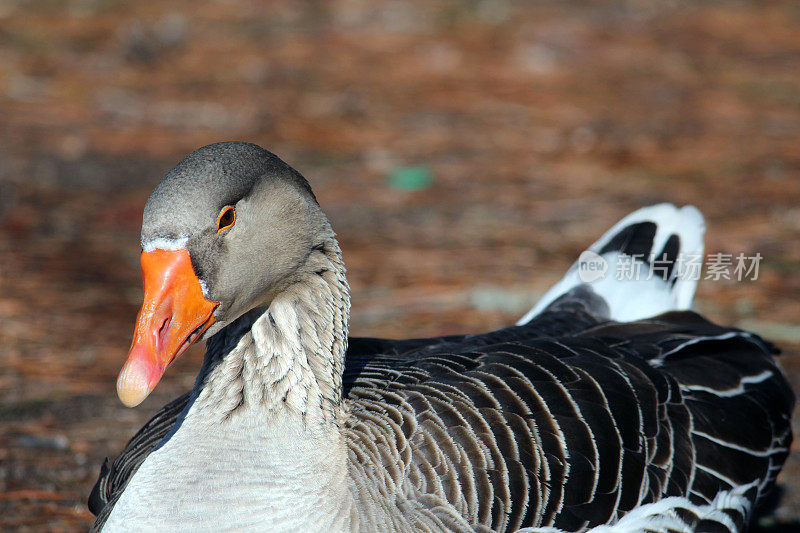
(465, 151)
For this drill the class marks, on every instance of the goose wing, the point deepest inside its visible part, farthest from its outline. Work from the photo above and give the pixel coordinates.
(527, 427)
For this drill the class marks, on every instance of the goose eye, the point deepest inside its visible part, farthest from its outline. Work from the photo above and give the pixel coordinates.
(226, 218)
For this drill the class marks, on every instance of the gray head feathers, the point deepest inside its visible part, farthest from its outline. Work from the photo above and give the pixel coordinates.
(190, 195)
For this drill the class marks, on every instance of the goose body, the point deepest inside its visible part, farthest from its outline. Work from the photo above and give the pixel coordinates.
(609, 407)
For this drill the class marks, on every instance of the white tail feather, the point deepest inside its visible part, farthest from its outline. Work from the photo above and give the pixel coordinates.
(632, 288)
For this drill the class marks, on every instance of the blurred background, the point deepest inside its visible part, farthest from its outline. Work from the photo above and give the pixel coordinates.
(465, 151)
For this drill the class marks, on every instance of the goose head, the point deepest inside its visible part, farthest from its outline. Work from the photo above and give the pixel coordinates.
(224, 232)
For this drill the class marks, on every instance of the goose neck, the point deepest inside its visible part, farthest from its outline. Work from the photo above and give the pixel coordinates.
(289, 356)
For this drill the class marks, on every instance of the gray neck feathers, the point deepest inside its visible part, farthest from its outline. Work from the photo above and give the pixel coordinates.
(288, 357)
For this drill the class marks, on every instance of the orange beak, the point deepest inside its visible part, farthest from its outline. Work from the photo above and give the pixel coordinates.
(174, 314)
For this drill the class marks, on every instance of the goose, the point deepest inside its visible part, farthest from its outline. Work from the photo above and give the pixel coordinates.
(609, 407)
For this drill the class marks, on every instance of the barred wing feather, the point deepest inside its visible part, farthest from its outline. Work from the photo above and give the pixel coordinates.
(572, 431)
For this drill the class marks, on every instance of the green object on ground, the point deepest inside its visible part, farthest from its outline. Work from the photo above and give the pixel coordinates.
(411, 178)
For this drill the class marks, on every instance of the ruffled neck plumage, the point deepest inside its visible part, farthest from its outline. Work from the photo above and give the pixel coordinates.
(289, 356)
